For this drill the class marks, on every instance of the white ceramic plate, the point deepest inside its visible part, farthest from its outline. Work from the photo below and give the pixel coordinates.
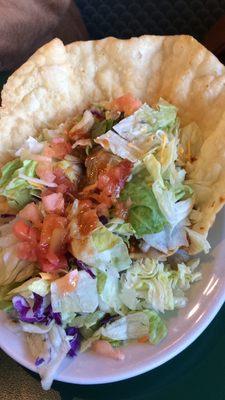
(205, 299)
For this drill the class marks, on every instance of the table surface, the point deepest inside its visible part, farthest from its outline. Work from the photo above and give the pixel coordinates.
(196, 373)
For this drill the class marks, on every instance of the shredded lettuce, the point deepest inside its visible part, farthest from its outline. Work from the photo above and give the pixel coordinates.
(83, 299)
(102, 249)
(101, 127)
(146, 323)
(144, 213)
(168, 240)
(108, 289)
(18, 191)
(198, 242)
(87, 320)
(121, 228)
(157, 286)
(71, 170)
(173, 211)
(48, 350)
(125, 139)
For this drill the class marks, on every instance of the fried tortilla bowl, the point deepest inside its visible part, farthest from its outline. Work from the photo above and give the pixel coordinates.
(58, 81)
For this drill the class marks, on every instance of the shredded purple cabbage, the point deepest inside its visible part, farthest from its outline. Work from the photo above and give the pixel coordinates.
(81, 265)
(107, 318)
(39, 361)
(20, 304)
(103, 219)
(41, 312)
(75, 341)
(57, 317)
(38, 305)
(97, 113)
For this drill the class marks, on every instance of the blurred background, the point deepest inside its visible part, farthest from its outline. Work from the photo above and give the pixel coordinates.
(125, 18)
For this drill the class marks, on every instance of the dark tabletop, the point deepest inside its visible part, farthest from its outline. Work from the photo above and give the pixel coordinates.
(199, 371)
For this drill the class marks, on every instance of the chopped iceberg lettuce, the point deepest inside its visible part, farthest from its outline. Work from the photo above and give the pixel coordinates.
(157, 286)
(144, 213)
(17, 190)
(169, 239)
(146, 323)
(132, 137)
(108, 289)
(48, 350)
(173, 211)
(198, 242)
(71, 170)
(157, 328)
(82, 299)
(121, 228)
(102, 249)
(87, 320)
(33, 285)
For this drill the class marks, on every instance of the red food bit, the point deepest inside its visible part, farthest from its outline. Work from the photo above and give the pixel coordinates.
(47, 266)
(104, 348)
(52, 243)
(64, 185)
(28, 237)
(102, 209)
(27, 251)
(51, 222)
(58, 148)
(44, 171)
(54, 203)
(24, 232)
(126, 103)
(32, 213)
(87, 221)
(113, 180)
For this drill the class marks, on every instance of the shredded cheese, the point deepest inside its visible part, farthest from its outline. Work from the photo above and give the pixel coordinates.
(164, 140)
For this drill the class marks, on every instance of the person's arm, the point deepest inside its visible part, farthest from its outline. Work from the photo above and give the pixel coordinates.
(27, 24)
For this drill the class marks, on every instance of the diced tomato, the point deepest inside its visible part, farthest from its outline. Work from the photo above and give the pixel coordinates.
(113, 180)
(54, 203)
(58, 140)
(102, 198)
(51, 222)
(98, 161)
(58, 148)
(85, 204)
(87, 221)
(126, 103)
(102, 209)
(32, 213)
(27, 251)
(57, 240)
(24, 232)
(64, 185)
(52, 243)
(104, 348)
(47, 266)
(44, 171)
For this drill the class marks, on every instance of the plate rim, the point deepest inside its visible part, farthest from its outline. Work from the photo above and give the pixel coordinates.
(187, 339)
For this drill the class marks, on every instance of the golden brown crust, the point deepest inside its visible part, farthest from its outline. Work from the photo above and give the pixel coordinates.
(57, 80)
